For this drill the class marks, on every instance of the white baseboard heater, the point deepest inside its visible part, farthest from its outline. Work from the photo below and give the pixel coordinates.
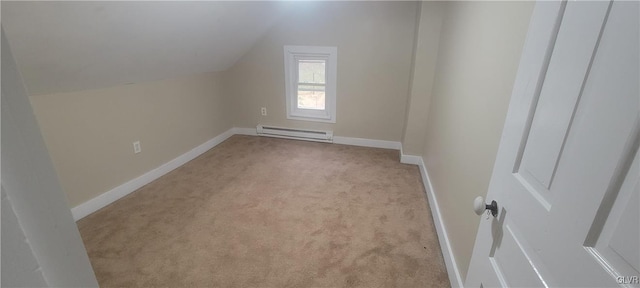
(294, 133)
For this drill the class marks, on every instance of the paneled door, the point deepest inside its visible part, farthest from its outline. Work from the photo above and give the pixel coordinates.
(566, 178)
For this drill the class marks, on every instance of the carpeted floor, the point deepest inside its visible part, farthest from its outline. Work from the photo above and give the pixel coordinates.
(266, 212)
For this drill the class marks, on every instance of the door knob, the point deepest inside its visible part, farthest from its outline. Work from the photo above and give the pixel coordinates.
(479, 206)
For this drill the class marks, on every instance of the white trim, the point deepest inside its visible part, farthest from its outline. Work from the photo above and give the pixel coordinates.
(395, 145)
(447, 252)
(244, 131)
(114, 194)
(409, 159)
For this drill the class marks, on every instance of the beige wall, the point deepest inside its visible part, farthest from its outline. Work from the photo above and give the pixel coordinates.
(479, 52)
(89, 134)
(423, 72)
(375, 43)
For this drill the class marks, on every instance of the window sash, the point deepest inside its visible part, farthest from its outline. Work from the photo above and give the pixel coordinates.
(296, 105)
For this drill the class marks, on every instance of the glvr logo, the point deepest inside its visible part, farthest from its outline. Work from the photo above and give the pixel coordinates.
(628, 280)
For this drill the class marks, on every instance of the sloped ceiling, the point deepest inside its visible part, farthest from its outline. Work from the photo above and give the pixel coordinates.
(71, 46)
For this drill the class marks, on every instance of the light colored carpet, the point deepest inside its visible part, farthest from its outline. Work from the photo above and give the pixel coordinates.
(265, 212)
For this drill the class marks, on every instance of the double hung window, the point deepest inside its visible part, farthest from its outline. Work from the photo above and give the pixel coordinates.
(310, 79)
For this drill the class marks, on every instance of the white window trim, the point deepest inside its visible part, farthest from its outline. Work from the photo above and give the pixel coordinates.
(330, 55)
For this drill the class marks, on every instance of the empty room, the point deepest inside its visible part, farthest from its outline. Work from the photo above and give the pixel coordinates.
(320, 144)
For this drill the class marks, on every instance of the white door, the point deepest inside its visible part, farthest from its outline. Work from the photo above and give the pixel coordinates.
(566, 178)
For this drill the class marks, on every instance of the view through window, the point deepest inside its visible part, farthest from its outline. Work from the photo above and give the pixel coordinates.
(311, 84)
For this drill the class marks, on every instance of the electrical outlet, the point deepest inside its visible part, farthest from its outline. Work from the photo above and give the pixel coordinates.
(263, 110)
(136, 147)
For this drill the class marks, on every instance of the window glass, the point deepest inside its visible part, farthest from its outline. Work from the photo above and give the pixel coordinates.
(311, 84)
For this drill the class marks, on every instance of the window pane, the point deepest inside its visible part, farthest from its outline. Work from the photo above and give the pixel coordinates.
(311, 97)
(311, 71)
(311, 80)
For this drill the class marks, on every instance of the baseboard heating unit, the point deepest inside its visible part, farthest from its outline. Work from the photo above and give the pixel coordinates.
(294, 133)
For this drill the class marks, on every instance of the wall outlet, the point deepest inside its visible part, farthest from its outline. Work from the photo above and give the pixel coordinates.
(263, 110)
(136, 147)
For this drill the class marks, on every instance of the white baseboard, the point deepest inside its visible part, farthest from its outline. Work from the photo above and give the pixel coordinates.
(114, 194)
(367, 142)
(339, 140)
(449, 260)
(410, 159)
(245, 131)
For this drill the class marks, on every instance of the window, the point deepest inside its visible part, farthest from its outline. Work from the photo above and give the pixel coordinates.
(310, 79)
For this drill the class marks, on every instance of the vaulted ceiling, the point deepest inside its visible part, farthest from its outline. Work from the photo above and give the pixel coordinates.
(71, 46)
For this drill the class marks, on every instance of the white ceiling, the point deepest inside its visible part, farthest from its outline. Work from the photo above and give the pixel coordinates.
(71, 46)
